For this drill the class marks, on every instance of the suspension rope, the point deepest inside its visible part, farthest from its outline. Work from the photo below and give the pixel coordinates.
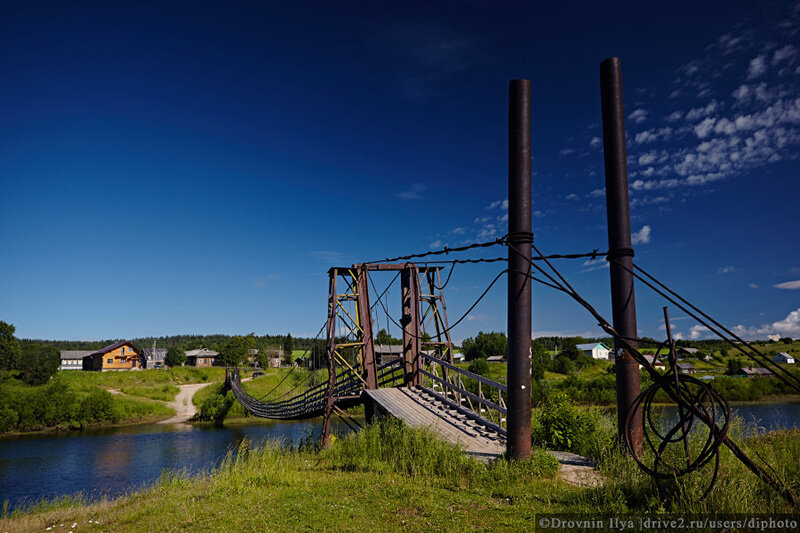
(296, 366)
(783, 374)
(454, 323)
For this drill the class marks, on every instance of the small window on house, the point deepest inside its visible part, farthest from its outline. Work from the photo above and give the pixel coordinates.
(123, 351)
(109, 361)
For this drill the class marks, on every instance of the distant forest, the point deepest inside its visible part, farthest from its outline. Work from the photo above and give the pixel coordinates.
(216, 342)
(185, 342)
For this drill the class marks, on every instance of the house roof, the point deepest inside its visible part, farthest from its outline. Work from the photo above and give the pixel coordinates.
(114, 347)
(685, 366)
(493, 358)
(756, 371)
(75, 354)
(202, 352)
(688, 350)
(591, 346)
(388, 348)
(652, 359)
(159, 355)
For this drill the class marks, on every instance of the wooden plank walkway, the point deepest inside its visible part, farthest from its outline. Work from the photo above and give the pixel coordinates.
(418, 409)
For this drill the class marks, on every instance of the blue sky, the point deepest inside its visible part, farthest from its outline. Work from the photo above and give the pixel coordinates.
(197, 167)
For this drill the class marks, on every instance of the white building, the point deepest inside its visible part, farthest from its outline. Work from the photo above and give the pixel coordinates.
(73, 359)
(783, 357)
(595, 350)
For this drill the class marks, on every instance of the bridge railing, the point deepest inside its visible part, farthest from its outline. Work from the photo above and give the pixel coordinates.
(476, 396)
(310, 402)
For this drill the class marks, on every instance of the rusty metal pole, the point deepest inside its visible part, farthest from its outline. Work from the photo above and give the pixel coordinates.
(623, 303)
(518, 443)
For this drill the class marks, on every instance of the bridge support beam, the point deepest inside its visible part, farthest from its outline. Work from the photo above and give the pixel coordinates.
(409, 282)
(623, 304)
(370, 373)
(518, 443)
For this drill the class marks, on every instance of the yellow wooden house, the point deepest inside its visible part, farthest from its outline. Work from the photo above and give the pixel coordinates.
(122, 355)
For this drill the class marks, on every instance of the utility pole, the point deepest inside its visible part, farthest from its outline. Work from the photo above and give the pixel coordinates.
(620, 250)
(520, 238)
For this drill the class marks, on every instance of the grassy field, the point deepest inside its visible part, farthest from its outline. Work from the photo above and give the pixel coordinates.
(164, 393)
(142, 378)
(390, 477)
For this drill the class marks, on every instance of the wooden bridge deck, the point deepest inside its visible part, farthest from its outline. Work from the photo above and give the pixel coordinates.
(420, 409)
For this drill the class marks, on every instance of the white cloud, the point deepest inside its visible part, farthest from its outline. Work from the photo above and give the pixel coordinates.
(695, 332)
(754, 285)
(502, 204)
(787, 52)
(459, 231)
(788, 285)
(638, 116)
(642, 236)
(595, 142)
(436, 244)
(789, 326)
(414, 193)
(700, 112)
(572, 196)
(594, 264)
(775, 337)
(725, 269)
(757, 67)
(566, 151)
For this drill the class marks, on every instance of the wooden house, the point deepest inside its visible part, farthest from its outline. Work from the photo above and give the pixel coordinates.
(202, 357)
(122, 355)
(686, 368)
(784, 358)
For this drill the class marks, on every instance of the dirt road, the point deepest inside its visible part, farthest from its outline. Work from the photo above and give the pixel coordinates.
(184, 408)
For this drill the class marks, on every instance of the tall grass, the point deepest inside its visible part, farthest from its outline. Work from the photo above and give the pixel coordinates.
(164, 393)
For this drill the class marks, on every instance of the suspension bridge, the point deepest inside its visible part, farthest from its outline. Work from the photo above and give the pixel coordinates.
(424, 387)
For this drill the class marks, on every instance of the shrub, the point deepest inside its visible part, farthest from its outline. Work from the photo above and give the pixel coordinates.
(215, 408)
(563, 426)
(479, 366)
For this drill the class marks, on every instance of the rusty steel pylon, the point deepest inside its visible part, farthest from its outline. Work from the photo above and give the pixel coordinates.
(620, 250)
(350, 342)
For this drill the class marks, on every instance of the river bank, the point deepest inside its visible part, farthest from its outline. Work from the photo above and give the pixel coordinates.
(389, 477)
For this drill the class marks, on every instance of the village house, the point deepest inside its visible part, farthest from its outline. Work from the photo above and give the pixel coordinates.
(783, 357)
(688, 352)
(122, 355)
(73, 359)
(595, 350)
(754, 372)
(686, 368)
(387, 352)
(496, 359)
(655, 363)
(202, 357)
(154, 357)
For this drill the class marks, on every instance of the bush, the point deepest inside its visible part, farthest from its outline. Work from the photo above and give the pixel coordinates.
(215, 408)
(563, 426)
(97, 406)
(479, 366)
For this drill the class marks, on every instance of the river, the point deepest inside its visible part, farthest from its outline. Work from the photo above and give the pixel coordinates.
(112, 461)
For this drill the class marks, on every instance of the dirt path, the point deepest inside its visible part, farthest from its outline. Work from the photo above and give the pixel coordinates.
(184, 408)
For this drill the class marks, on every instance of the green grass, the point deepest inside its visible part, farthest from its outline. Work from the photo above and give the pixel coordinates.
(164, 393)
(141, 378)
(389, 477)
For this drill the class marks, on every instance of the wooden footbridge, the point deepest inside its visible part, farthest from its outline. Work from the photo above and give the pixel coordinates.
(422, 387)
